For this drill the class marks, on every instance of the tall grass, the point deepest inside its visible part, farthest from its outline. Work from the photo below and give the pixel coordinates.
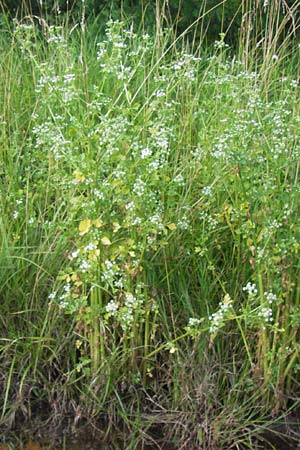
(149, 230)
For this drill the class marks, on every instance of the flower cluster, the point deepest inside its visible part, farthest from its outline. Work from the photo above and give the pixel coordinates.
(217, 319)
(250, 289)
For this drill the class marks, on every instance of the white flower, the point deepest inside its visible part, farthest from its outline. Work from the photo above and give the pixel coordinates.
(183, 223)
(90, 247)
(146, 152)
(159, 93)
(207, 190)
(217, 318)
(68, 77)
(111, 307)
(193, 322)
(84, 266)
(155, 165)
(250, 288)
(67, 287)
(75, 253)
(136, 221)
(139, 187)
(266, 314)
(270, 297)
(99, 194)
(129, 206)
(130, 300)
(179, 179)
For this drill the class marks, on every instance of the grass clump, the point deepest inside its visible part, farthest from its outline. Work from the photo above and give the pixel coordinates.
(149, 234)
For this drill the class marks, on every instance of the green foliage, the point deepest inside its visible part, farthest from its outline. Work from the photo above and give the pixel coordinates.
(149, 232)
(225, 17)
(16, 7)
(218, 17)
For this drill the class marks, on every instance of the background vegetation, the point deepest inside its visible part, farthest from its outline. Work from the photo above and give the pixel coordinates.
(219, 15)
(149, 232)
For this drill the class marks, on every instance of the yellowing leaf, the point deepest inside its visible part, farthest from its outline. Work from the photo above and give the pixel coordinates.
(116, 227)
(172, 226)
(98, 223)
(130, 243)
(74, 276)
(78, 176)
(227, 300)
(84, 226)
(249, 242)
(105, 241)
(93, 255)
(227, 209)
